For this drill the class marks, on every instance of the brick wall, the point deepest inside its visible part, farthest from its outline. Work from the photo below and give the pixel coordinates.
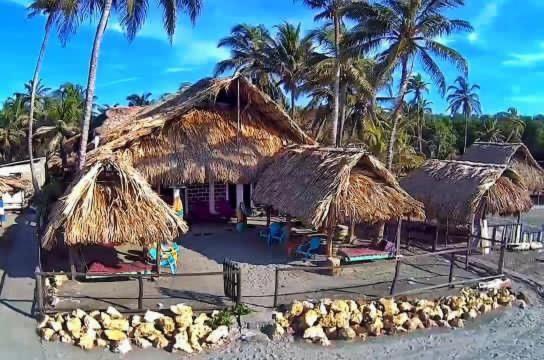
(200, 192)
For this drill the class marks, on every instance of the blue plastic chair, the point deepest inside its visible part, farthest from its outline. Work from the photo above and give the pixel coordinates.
(169, 261)
(309, 248)
(275, 233)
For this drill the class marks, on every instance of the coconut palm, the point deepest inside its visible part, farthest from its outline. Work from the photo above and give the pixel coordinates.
(464, 99)
(13, 118)
(57, 12)
(418, 87)
(515, 124)
(291, 58)
(133, 15)
(139, 100)
(250, 49)
(332, 10)
(490, 131)
(408, 29)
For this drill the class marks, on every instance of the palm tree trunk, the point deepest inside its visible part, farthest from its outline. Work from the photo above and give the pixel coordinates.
(397, 113)
(420, 116)
(342, 103)
(293, 110)
(336, 81)
(35, 80)
(466, 134)
(91, 82)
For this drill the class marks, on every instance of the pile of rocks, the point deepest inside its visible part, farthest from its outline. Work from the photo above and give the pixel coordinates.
(52, 285)
(324, 320)
(180, 330)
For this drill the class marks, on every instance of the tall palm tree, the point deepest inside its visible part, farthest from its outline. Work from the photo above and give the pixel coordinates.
(12, 119)
(490, 131)
(54, 10)
(139, 100)
(332, 10)
(463, 98)
(133, 15)
(250, 48)
(418, 87)
(408, 29)
(291, 55)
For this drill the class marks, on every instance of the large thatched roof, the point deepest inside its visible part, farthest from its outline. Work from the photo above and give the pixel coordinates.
(517, 156)
(308, 182)
(111, 203)
(456, 190)
(195, 136)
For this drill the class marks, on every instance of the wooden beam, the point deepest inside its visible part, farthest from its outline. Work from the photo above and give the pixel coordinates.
(158, 259)
(71, 256)
(268, 215)
(398, 235)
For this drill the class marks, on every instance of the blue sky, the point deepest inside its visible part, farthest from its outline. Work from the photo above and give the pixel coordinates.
(506, 51)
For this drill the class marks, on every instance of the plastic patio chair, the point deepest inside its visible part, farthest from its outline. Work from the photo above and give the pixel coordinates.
(310, 248)
(168, 257)
(274, 233)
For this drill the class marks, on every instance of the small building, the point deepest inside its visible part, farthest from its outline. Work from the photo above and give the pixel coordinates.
(516, 156)
(210, 142)
(324, 187)
(465, 193)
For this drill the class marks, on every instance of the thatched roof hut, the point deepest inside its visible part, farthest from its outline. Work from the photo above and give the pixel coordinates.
(309, 182)
(221, 130)
(111, 203)
(457, 190)
(517, 156)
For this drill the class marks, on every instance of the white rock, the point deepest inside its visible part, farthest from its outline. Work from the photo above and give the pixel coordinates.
(113, 313)
(152, 316)
(218, 334)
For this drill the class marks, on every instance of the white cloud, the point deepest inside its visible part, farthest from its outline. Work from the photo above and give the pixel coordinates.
(473, 37)
(485, 18)
(171, 70)
(528, 99)
(526, 59)
(201, 52)
(117, 81)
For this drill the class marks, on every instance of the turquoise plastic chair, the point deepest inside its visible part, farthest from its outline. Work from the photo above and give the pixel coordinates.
(170, 261)
(274, 233)
(310, 248)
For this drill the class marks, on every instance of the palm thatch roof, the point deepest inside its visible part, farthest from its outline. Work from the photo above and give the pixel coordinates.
(111, 203)
(12, 184)
(309, 182)
(195, 136)
(517, 156)
(456, 190)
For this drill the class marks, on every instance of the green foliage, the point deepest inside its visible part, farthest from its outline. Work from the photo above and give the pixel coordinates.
(228, 316)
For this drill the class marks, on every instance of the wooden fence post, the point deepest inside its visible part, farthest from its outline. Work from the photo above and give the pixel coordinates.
(140, 292)
(39, 295)
(276, 285)
(394, 283)
(452, 264)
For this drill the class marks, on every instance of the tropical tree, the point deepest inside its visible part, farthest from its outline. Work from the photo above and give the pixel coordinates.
(464, 99)
(56, 11)
(408, 29)
(332, 10)
(490, 131)
(139, 100)
(133, 15)
(418, 87)
(12, 119)
(515, 123)
(291, 57)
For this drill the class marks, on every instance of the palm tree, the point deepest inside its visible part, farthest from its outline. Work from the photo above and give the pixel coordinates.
(139, 100)
(332, 10)
(515, 124)
(408, 29)
(417, 86)
(133, 17)
(250, 48)
(291, 56)
(53, 10)
(12, 119)
(490, 131)
(463, 98)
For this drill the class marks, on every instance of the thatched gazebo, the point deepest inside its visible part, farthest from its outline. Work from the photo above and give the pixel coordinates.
(215, 133)
(516, 156)
(327, 186)
(464, 193)
(110, 204)
(12, 184)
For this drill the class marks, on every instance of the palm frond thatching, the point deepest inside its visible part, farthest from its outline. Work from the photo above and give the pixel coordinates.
(308, 182)
(456, 190)
(517, 156)
(111, 203)
(195, 136)
(13, 184)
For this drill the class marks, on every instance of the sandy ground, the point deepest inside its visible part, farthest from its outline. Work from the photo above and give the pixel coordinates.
(514, 334)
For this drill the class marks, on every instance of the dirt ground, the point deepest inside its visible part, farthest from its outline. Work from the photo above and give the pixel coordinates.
(514, 334)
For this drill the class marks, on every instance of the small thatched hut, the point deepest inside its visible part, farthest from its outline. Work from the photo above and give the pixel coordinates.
(515, 156)
(217, 132)
(462, 192)
(327, 186)
(111, 204)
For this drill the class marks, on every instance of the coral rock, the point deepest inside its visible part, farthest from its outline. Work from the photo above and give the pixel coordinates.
(86, 341)
(201, 319)
(340, 306)
(142, 343)
(118, 324)
(220, 333)
(310, 318)
(152, 316)
(314, 333)
(342, 319)
(166, 324)
(389, 306)
(113, 313)
(46, 333)
(296, 309)
(73, 325)
(115, 335)
(91, 323)
(181, 309)
(181, 342)
(346, 333)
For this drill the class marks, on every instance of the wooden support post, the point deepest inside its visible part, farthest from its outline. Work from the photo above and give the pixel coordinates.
(447, 234)
(395, 277)
(158, 260)
(71, 257)
(398, 236)
(140, 292)
(500, 269)
(351, 232)
(39, 293)
(452, 264)
(436, 234)
(276, 287)
(268, 215)
(238, 286)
